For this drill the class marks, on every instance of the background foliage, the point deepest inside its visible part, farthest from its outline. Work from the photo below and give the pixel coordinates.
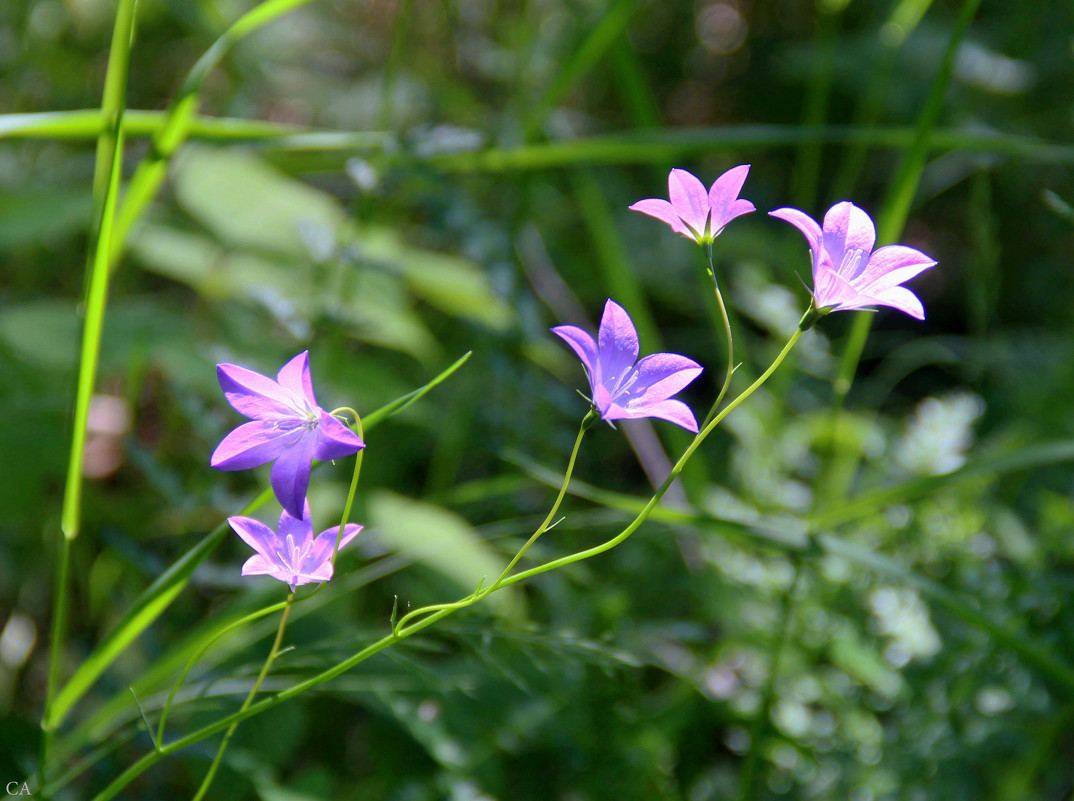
(465, 187)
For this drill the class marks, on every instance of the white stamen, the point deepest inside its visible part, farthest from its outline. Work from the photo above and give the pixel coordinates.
(851, 260)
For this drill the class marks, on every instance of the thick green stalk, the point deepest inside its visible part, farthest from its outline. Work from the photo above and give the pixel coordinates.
(818, 93)
(602, 37)
(839, 468)
(109, 167)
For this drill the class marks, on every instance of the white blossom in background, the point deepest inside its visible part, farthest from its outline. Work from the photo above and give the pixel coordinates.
(939, 434)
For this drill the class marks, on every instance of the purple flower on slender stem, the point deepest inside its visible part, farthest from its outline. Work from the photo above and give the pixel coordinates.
(287, 425)
(623, 390)
(291, 553)
(695, 213)
(847, 272)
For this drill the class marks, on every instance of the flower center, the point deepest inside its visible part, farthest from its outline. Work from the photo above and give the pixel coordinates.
(851, 266)
(619, 390)
(292, 558)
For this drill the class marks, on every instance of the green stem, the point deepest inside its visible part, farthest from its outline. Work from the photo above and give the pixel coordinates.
(730, 341)
(590, 418)
(260, 613)
(354, 479)
(249, 698)
(587, 423)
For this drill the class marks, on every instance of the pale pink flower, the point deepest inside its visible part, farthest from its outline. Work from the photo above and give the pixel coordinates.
(624, 387)
(695, 213)
(291, 553)
(847, 272)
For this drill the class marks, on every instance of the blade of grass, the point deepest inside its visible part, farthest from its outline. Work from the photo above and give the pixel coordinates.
(315, 149)
(90, 123)
(818, 92)
(633, 85)
(669, 144)
(109, 168)
(896, 209)
(868, 503)
(601, 38)
(179, 117)
(399, 404)
(839, 467)
(902, 22)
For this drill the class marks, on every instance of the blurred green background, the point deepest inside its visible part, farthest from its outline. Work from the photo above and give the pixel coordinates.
(465, 188)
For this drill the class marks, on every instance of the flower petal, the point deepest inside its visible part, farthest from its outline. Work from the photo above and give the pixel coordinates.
(602, 399)
(583, 345)
(252, 444)
(663, 211)
(290, 477)
(323, 572)
(804, 223)
(724, 200)
(295, 377)
(672, 410)
(326, 541)
(254, 395)
(690, 199)
(255, 534)
(890, 266)
(617, 344)
(901, 298)
(257, 565)
(832, 290)
(334, 439)
(659, 376)
(300, 529)
(846, 227)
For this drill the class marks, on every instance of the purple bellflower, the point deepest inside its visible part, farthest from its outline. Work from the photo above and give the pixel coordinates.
(291, 553)
(847, 272)
(623, 390)
(695, 213)
(287, 425)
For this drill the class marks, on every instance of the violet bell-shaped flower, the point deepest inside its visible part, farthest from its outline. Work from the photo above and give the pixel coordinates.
(623, 390)
(287, 426)
(847, 272)
(291, 553)
(695, 213)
